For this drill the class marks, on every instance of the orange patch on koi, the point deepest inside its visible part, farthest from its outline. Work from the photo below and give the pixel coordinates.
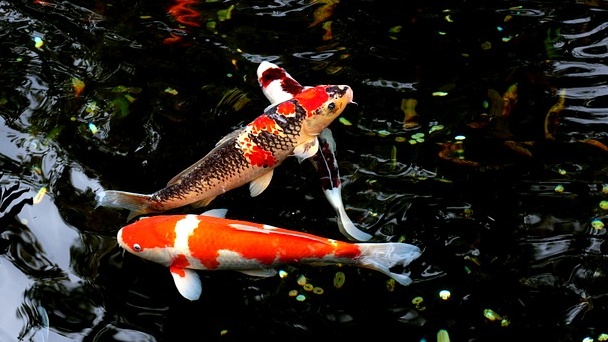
(180, 262)
(279, 245)
(286, 108)
(260, 157)
(264, 123)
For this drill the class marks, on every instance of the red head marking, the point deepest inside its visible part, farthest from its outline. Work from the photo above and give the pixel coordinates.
(150, 233)
(312, 98)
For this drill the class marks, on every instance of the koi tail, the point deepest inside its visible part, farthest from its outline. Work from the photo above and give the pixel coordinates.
(136, 203)
(382, 256)
(346, 226)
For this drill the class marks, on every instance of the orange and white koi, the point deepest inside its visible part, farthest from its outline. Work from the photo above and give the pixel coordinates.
(186, 243)
(247, 155)
(278, 85)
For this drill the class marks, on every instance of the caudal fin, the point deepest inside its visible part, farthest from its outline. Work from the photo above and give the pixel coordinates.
(346, 226)
(382, 256)
(136, 203)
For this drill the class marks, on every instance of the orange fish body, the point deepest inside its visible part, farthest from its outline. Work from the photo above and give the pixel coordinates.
(211, 242)
(247, 155)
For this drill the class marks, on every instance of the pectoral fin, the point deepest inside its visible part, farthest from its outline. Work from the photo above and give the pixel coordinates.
(306, 150)
(260, 184)
(264, 272)
(187, 282)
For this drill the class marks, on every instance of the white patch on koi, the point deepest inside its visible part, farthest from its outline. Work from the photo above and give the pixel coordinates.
(266, 226)
(163, 256)
(247, 228)
(244, 143)
(228, 259)
(183, 230)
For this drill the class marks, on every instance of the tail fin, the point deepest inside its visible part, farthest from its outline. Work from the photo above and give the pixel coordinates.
(136, 203)
(382, 256)
(346, 226)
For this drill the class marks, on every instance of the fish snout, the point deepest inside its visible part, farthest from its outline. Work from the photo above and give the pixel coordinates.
(346, 92)
(119, 239)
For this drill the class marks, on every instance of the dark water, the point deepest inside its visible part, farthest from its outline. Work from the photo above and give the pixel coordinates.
(125, 94)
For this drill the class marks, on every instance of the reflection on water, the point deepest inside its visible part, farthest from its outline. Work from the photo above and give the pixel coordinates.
(478, 135)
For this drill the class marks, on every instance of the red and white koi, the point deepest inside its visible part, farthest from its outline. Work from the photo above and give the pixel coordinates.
(278, 85)
(247, 155)
(186, 243)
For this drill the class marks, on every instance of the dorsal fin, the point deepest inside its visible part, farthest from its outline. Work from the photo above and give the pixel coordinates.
(221, 213)
(223, 140)
(229, 136)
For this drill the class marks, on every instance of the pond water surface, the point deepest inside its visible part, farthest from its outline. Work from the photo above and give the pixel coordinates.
(479, 135)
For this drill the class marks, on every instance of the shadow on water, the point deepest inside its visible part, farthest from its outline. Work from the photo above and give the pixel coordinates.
(479, 135)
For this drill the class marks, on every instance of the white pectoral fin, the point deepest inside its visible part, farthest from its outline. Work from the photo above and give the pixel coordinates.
(187, 282)
(258, 185)
(263, 272)
(306, 150)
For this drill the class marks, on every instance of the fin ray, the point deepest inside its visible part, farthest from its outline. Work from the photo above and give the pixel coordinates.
(306, 150)
(187, 282)
(221, 213)
(346, 226)
(136, 203)
(258, 185)
(262, 272)
(382, 256)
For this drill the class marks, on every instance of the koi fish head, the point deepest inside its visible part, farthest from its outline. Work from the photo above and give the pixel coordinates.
(149, 238)
(323, 104)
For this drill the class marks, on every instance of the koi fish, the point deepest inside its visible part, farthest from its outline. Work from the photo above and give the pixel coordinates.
(247, 155)
(278, 85)
(186, 243)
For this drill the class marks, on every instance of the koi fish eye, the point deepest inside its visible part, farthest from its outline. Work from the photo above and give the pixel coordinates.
(331, 106)
(136, 247)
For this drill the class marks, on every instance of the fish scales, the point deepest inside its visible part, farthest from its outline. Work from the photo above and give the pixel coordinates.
(230, 159)
(226, 163)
